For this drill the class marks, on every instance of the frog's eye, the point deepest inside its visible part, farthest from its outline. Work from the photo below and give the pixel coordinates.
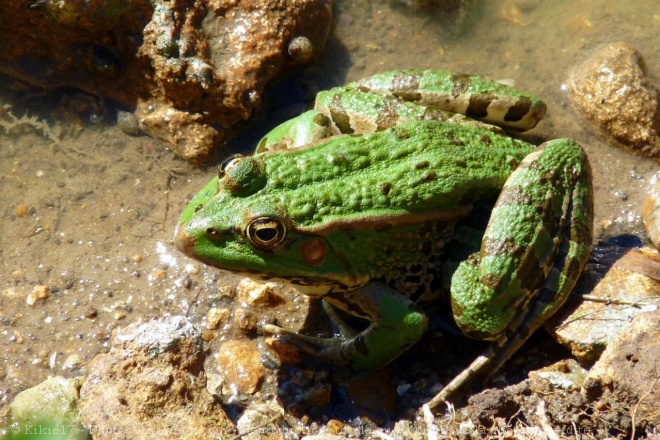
(266, 232)
(228, 164)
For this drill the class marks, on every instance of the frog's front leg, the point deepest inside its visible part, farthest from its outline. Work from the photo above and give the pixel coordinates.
(536, 245)
(396, 323)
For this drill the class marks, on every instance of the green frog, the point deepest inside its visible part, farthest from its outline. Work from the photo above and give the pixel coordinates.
(361, 201)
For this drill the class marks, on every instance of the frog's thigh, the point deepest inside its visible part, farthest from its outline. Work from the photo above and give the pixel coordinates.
(396, 324)
(536, 244)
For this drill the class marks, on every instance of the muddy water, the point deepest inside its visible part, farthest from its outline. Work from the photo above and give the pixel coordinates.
(92, 215)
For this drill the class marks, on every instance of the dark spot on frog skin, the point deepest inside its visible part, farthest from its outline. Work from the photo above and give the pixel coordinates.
(339, 115)
(485, 139)
(429, 177)
(385, 188)
(422, 165)
(461, 83)
(478, 107)
(321, 120)
(406, 87)
(402, 134)
(387, 116)
(517, 111)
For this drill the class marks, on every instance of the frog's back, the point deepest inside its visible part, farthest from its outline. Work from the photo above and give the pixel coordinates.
(410, 174)
(333, 215)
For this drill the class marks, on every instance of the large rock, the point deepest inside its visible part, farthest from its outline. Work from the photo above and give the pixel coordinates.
(49, 409)
(629, 288)
(151, 384)
(611, 90)
(195, 70)
(626, 378)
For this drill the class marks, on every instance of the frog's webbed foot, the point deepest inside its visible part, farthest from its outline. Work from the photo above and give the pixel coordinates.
(313, 345)
(395, 324)
(536, 245)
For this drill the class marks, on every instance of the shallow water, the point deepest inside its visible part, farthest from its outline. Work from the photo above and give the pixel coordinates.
(101, 206)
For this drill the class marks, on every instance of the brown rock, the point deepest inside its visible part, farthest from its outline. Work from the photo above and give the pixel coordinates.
(627, 373)
(286, 352)
(151, 384)
(563, 375)
(240, 364)
(245, 320)
(628, 289)
(217, 317)
(195, 70)
(611, 90)
(651, 212)
(257, 295)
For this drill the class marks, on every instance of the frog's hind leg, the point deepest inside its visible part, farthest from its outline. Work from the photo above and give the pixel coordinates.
(535, 247)
(396, 323)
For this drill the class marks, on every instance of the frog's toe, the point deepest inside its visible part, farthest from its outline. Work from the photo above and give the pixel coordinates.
(311, 345)
(338, 350)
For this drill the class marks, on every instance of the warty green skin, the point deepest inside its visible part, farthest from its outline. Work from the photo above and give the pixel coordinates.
(388, 99)
(355, 208)
(361, 195)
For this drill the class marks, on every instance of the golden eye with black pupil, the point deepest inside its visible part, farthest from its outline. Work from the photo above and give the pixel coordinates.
(228, 164)
(266, 232)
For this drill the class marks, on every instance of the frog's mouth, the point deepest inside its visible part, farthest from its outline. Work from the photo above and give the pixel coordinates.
(184, 242)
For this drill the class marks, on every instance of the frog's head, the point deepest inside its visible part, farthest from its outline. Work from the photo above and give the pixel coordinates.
(230, 227)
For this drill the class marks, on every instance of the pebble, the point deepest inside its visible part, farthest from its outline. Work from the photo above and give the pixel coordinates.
(53, 400)
(72, 362)
(563, 375)
(301, 49)
(217, 317)
(257, 295)
(11, 293)
(335, 426)
(285, 351)
(128, 123)
(240, 364)
(612, 91)
(39, 292)
(21, 210)
(245, 320)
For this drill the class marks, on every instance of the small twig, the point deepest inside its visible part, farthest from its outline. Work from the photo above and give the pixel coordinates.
(545, 423)
(609, 301)
(432, 431)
